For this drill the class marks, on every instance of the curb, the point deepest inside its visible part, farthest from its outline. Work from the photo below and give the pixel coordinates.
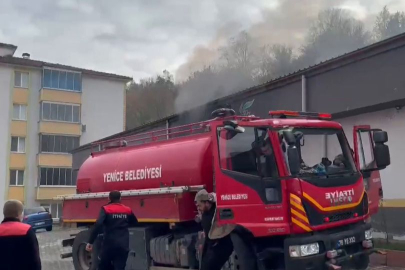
(391, 258)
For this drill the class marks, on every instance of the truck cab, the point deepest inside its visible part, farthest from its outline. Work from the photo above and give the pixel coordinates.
(294, 180)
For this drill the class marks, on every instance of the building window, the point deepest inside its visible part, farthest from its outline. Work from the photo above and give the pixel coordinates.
(55, 209)
(56, 177)
(18, 144)
(16, 178)
(62, 80)
(60, 112)
(58, 144)
(21, 79)
(19, 112)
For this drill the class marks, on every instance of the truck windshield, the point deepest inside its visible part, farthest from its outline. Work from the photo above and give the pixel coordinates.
(323, 152)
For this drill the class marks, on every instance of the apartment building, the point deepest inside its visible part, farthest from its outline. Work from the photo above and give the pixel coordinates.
(46, 110)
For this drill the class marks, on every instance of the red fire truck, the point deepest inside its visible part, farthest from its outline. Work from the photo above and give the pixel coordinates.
(299, 196)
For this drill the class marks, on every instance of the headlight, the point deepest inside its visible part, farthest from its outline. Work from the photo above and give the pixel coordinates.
(368, 235)
(304, 250)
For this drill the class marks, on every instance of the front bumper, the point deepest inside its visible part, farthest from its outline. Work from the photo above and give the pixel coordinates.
(329, 240)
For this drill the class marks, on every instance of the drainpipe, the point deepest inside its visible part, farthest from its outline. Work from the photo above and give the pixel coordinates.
(167, 129)
(303, 93)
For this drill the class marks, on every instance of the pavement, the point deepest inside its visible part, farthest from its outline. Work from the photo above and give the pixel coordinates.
(50, 244)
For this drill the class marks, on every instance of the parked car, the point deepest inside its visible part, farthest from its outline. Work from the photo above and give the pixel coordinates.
(38, 218)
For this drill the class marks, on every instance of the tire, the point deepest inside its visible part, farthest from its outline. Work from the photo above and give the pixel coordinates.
(243, 257)
(48, 229)
(361, 263)
(82, 259)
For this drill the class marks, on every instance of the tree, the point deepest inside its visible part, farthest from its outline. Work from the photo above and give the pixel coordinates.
(388, 25)
(150, 99)
(239, 53)
(274, 61)
(334, 33)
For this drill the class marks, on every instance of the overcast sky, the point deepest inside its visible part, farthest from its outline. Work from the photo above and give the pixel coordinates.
(141, 38)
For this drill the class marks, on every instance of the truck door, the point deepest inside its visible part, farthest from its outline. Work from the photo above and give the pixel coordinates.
(364, 158)
(249, 191)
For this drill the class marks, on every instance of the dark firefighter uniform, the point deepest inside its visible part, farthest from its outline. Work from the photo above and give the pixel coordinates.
(216, 252)
(115, 218)
(18, 246)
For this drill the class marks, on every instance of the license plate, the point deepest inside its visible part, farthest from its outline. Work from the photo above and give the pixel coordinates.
(347, 241)
(39, 223)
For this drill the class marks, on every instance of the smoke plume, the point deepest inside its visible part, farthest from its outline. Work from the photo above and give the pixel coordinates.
(286, 23)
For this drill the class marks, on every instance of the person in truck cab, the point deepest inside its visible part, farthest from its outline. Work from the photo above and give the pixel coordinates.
(218, 244)
(115, 218)
(18, 243)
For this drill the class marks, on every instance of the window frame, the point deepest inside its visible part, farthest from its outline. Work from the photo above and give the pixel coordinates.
(257, 161)
(53, 175)
(18, 145)
(59, 88)
(64, 138)
(50, 206)
(17, 173)
(21, 79)
(19, 112)
(57, 110)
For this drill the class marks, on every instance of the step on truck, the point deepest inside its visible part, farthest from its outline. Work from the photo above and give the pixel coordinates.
(300, 197)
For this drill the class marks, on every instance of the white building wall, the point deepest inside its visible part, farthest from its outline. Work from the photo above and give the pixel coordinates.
(102, 108)
(32, 140)
(392, 121)
(5, 110)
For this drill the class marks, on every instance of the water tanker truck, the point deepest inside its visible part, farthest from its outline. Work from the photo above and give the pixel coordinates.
(300, 197)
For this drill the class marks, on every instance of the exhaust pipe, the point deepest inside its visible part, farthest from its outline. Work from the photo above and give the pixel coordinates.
(66, 255)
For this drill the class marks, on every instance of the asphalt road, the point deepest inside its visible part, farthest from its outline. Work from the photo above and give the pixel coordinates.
(50, 244)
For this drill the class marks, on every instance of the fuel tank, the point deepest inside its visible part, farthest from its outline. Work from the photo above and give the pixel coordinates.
(183, 161)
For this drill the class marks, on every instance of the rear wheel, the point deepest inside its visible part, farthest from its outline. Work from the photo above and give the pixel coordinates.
(82, 259)
(48, 229)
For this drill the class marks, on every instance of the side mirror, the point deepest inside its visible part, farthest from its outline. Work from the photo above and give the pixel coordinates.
(233, 126)
(381, 151)
(289, 137)
(380, 137)
(293, 160)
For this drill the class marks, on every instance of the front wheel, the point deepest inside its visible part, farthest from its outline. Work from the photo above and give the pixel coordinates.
(243, 257)
(361, 263)
(48, 229)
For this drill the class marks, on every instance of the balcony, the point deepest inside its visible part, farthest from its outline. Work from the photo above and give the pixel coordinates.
(60, 96)
(50, 192)
(54, 160)
(60, 128)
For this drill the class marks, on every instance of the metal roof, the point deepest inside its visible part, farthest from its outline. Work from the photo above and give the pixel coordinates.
(11, 46)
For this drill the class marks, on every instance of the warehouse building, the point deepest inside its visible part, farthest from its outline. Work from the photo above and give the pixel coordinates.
(366, 86)
(46, 111)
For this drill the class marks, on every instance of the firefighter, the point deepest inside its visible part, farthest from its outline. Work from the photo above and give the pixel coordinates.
(18, 243)
(218, 244)
(115, 218)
